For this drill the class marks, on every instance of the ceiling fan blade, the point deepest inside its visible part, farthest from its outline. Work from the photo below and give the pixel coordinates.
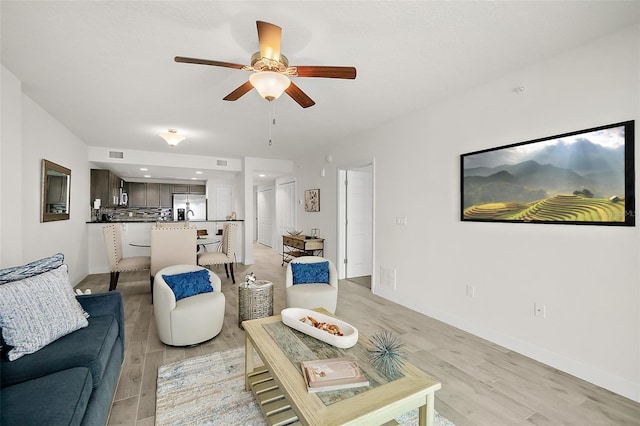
(236, 94)
(269, 37)
(299, 96)
(207, 62)
(326, 72)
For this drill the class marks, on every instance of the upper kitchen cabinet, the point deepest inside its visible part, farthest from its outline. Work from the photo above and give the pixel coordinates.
(166, 195)
(144, 194)
(153, 195)
(106, 186)
(197, 189)
(137, 194)
(189, 189)
(181, 189)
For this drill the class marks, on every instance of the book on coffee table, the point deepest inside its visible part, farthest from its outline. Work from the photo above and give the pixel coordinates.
(330, 374)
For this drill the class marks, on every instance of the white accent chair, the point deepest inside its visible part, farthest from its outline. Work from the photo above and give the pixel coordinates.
(314, 295)
(226, 256)
(191, 320)
(113, 243)
(172, 246)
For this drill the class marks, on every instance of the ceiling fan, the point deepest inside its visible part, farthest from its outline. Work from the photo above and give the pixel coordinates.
(271, 70)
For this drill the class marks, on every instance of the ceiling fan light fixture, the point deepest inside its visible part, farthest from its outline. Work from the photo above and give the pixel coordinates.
(270, 85)
(172, 137)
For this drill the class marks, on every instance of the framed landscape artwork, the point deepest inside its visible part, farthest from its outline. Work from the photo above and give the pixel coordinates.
(584, 177)
(312, 200)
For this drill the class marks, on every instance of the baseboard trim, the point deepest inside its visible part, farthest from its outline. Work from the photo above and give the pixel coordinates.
(579, 369)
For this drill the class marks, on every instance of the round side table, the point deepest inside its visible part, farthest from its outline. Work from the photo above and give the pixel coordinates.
(255, 301)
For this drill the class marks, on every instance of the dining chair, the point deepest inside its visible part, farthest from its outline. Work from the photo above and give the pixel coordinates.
(170, 224)
(175, 224)
(113, 243)
(311, 282)
(171, 246)
(226, 255)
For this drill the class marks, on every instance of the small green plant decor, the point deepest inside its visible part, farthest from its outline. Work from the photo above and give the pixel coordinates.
(386, 353)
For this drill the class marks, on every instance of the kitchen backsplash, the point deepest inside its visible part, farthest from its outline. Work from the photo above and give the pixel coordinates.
(134, 214)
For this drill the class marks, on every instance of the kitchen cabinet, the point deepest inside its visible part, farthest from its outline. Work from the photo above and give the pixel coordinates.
(180, 189)
(153, 195)
(144, 194)
(137, 194)
(106, 187)
(197, 189)
(189, 189)
(166, 195)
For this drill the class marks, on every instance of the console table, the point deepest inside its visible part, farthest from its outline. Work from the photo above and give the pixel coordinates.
(301, 245)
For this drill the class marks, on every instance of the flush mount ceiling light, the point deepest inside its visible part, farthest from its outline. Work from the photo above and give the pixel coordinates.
(172, 137)
(270, 85)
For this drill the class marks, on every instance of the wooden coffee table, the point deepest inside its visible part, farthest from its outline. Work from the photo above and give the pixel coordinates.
(282, 393)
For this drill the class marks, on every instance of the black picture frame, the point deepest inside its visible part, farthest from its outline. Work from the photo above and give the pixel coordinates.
(585, 177)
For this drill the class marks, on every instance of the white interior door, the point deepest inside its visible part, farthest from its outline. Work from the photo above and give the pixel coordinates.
(285, 209)
(266, 207)
(359, 223)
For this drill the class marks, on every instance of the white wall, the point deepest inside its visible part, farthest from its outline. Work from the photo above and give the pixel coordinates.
(588, 276)
(10, 170)
(41, 136)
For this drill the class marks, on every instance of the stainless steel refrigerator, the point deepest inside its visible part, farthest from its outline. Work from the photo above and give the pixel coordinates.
(191, 206)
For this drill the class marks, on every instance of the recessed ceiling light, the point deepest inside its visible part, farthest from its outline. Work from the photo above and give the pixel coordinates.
(194, 178)
(143, 169)
(262, 175)
(198, 172)
(147, 176)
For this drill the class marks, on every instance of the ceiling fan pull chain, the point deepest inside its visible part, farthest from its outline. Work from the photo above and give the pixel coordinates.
(272, 121)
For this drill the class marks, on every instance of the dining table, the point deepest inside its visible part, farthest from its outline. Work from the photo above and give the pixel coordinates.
(199, 242)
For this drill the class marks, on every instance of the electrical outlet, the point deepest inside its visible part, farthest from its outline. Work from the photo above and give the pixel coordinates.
(539, 310)
(388, 277)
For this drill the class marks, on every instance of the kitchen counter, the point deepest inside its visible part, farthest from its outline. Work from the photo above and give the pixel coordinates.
(166, 221)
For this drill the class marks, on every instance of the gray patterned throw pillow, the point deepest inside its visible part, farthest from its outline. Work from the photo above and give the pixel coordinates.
(38, 310)
(31, 269)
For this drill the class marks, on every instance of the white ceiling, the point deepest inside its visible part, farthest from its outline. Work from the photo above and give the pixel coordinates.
(105, 69)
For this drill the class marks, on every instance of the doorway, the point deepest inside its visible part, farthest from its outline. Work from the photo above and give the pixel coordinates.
(356, 218)
(285, 210)
(266, 208)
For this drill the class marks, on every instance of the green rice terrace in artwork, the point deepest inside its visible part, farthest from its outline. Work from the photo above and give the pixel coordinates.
(584, 177)
(558, 208)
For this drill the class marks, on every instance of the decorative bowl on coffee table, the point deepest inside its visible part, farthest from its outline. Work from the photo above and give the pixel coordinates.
(292, 316)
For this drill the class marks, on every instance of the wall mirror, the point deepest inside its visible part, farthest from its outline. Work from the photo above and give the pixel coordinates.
(56, 185)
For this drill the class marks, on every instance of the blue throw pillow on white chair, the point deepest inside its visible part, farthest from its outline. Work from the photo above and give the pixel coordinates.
(187, 320)
(311, 282)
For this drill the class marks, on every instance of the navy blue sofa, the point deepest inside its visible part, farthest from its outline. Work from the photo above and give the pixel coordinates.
(71, 381)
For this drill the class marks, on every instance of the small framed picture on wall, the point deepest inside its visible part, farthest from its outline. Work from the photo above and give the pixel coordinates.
(312, 200)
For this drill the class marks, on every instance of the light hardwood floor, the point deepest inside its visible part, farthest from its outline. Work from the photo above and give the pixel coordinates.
(482, 383)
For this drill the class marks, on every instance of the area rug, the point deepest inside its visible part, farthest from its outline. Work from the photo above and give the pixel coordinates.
(209, 390)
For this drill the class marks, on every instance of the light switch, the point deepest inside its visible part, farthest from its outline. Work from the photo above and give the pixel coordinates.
(401, 220)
